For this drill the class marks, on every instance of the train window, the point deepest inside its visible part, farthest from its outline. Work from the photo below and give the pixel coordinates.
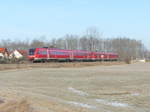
(59, 53)
(44, 52)
(80, 54)
(52, 52)
(39, 52)
(31, 51)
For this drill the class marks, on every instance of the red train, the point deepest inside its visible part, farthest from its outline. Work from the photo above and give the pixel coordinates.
(49, 54)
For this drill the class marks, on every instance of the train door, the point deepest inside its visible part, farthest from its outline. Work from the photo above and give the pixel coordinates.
(71, 56)
(102, 57)
(93, 56)
(108, 57)
(48, 53)
(42, 53)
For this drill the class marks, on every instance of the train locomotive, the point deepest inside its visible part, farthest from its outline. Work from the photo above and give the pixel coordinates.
(50, 54)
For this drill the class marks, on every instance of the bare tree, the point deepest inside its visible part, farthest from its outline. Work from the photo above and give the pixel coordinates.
(37, 43)
(92, 40)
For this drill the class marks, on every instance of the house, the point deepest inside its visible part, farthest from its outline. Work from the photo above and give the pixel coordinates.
(4, 53)
(18, 54)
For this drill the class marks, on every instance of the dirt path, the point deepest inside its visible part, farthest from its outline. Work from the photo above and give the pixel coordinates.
(117, 88)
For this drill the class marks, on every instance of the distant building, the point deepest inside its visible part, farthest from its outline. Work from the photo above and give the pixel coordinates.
(142, 60)
(4, 53)
(18, 54)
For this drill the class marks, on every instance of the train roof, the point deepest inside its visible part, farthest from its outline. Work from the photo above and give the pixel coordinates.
(67, 50)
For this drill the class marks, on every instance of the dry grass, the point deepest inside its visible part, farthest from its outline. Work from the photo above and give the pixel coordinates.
(16, 106)
(46, 89)
(22, 105)
(57, 65)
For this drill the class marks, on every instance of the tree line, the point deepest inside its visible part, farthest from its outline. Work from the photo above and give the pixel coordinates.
(92, 40)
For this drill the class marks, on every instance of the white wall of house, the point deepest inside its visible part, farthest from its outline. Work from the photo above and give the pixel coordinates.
(1, 55)
(16, 54)
(142, 60)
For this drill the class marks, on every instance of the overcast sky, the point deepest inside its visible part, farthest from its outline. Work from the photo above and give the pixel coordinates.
(55, 18)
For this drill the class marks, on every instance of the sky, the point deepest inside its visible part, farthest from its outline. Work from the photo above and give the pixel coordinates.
(28, 19)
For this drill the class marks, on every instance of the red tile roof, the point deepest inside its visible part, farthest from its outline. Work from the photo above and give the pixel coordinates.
(3, 50)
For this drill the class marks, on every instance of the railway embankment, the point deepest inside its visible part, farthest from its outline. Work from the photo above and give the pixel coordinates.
(56, 65)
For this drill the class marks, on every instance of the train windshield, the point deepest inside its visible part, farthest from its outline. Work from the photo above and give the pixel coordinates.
(31, 51)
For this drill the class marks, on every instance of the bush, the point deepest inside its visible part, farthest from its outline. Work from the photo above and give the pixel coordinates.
(127, 61)
(20, 60)
(4, 61)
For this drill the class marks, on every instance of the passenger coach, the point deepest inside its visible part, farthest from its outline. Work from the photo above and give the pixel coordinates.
(49, 54)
